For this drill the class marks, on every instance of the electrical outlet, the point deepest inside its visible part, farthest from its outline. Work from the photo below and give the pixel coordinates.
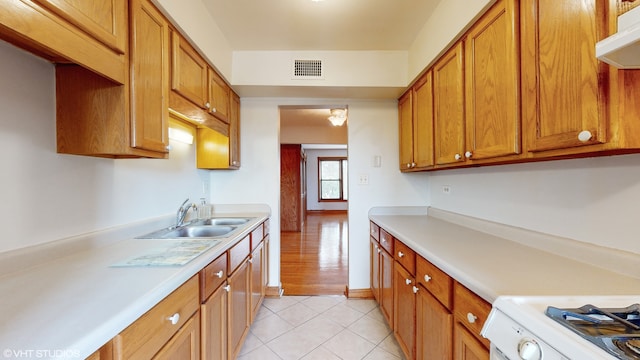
(363, 180)
(446, 189)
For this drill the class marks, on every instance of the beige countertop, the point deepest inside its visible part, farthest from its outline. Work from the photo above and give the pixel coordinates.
(502, 262)
(69, 306)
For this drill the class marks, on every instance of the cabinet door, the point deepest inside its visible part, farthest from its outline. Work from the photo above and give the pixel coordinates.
(405, 120)
(448, 89)
(238, 308)
(423, 121)
(466, 346)
(188, 71)
(386, 285)
(434, 328)
(375, 269)
(218, 97)
(185, 344)
(214, 326)
(258, 285)
(492, 84)
(106, 21)
(149, 77)
(234, 131)
(404, 310)
(565, 87)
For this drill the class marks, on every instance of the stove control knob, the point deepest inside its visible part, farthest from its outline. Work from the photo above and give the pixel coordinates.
(529, 349)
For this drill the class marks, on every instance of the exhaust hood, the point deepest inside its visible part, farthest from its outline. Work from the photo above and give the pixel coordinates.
(622, 49)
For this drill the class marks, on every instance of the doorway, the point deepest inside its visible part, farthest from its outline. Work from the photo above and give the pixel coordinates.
(313, 209)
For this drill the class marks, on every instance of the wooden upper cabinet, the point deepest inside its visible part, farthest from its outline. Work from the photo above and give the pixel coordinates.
(448, 89)
(149, 77)
(405, 120)
(106, 21)
(415, 110)
(565, 88)
(493, 125)
(218, 96)
(234, 131)
(188, 71)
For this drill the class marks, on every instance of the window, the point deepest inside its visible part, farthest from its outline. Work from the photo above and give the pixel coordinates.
(332, 179)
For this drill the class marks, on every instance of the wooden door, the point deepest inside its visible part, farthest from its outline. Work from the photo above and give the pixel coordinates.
(448, 89)
(290, 187)
(405, 120)
(218, 96)
(188, 71)
(185, 344)
(466, 346)
(434, 328)
(423, 122)
(386, 285)
(106, 21)
(375, 269)
(404, 310)
(492, 84)
(565, 87)
(149, 77)
(234, 131)
(238, 308)
(214, 326)
(258, 285)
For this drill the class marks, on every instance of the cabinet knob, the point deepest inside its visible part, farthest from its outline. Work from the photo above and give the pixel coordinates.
(458, 157)
(219, 274)
(471, 318)
(174, 319)
(213, 110)
(407, 281)
(427, 278)
(168, 147)
(207, 105)
(468, 154)
(585, 136)
(400, 254)
(250, 261)
(413, 165)
(415, 289)
(227, 288)
(379, 251)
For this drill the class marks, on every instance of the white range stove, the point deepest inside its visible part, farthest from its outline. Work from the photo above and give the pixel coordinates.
(564, 328)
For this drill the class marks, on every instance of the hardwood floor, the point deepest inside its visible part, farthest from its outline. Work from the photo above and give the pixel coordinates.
(314, 261)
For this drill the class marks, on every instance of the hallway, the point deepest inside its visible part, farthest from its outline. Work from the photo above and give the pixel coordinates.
(315, 260)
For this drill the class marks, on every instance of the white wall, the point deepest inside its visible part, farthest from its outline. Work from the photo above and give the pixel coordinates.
(591, 200)
(46, 196)
(373, 130)
(312, 180)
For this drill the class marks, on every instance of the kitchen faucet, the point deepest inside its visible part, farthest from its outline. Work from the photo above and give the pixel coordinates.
(182, 212)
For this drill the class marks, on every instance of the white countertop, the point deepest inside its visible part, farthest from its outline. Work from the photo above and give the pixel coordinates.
(70, 306)
(492, 265)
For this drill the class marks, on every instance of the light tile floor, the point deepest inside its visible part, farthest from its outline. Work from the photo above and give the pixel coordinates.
(319, 327)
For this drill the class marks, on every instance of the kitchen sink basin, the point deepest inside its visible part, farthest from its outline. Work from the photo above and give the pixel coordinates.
(192, 231)
(223, 221)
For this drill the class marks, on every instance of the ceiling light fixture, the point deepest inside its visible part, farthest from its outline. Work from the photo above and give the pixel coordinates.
(338, 117)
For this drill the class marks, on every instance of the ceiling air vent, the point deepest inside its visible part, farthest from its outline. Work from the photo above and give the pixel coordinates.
(307, 69)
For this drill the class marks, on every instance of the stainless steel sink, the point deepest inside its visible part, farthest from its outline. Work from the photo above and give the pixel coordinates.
(223, 221)
(191, 231)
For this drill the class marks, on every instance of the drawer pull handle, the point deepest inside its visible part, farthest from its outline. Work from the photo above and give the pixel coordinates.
(174, 319)
(427, 278)
(227, 288)
(471, 318)
(219, 274)
(407, 281)
(415, 289)
(400, 254)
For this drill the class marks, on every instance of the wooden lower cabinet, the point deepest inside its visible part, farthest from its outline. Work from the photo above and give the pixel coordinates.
(375, 268)
(404, 310)
(434, 327)
(185, 344)
(258, 278)
(467, 346)
(386, 285)
(214, 325)
(239, 314)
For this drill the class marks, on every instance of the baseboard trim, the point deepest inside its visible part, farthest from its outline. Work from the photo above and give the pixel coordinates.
(274, 291)
(358, 293)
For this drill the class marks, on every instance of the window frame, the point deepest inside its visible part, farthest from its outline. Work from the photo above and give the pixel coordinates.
(342, 160)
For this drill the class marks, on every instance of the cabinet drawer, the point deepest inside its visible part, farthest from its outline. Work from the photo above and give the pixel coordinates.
(212, 276)
(143, 338)
(374, 231)
(386, 241)
(436, 281)
(266, 227)
(256, 236)
(405, 256)
(470, 310)
(238, 253)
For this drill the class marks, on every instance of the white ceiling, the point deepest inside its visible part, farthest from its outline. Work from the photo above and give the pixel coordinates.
(324, 25)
